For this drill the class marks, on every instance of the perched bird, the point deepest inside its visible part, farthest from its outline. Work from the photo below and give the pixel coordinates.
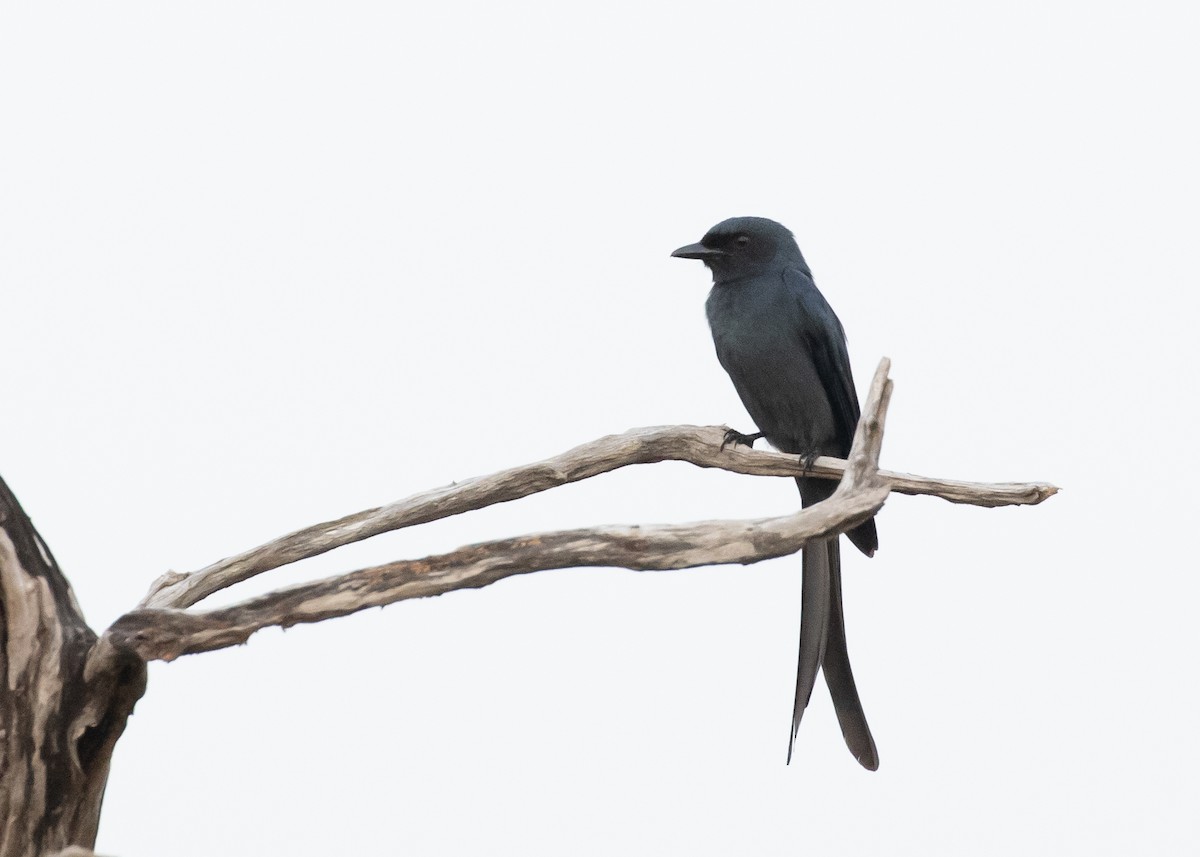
(785, 351)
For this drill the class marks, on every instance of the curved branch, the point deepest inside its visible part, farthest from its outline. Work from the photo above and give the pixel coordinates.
(696, 445)
(167, 633)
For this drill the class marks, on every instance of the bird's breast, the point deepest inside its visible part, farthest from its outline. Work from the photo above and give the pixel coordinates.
(758, 339)
(750, 323)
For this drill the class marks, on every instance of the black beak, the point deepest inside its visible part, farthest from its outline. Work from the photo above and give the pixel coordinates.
(697, 251)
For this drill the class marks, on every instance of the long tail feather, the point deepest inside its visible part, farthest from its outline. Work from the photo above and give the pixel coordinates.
(814, 625)
(838, 675)
(823, 633)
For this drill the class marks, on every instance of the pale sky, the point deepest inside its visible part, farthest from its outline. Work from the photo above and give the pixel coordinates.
(266, 264)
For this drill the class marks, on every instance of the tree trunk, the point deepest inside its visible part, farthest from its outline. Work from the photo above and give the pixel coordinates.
(64, 699)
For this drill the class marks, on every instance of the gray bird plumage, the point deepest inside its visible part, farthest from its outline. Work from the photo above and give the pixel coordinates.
(785, 351)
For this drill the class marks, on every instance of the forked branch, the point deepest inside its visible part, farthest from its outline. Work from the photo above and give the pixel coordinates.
(163, 630)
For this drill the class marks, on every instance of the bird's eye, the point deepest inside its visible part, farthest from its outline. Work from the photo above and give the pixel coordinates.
(742, 241)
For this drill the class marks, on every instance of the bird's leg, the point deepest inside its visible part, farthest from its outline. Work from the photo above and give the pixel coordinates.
(807, 460)
(736, 437)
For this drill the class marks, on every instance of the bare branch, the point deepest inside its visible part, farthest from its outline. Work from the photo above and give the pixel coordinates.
(165, 633)
(862, 466)
(697, 445)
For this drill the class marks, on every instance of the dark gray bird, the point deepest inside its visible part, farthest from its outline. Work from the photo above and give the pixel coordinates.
(785, 351)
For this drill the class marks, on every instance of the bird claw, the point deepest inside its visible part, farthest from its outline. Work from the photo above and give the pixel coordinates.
(806, 462)
(736, 437)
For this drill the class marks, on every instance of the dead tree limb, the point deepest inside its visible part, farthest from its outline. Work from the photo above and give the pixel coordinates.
(67, 693)
(698, 445)
(166, 633)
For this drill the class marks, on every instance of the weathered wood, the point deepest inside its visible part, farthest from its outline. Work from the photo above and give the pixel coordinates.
(66, 695)
(64, 699)
(696, 445)
(168, 633)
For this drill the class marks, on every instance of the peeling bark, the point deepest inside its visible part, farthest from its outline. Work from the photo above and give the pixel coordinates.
(64, 699)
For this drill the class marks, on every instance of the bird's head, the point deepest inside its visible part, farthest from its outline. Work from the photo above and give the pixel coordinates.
(744, 246)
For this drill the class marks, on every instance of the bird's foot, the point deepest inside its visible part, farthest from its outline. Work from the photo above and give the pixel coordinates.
(806, 462)
(736, 437)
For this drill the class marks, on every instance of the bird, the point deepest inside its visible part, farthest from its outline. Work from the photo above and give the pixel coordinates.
(785, 351)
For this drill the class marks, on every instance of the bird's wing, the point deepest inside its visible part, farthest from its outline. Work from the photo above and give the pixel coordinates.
(825, 339)
(821, 333)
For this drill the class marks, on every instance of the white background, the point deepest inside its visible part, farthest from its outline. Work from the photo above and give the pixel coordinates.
(265, 264)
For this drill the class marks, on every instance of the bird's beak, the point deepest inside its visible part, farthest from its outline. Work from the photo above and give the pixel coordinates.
(697, 251)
